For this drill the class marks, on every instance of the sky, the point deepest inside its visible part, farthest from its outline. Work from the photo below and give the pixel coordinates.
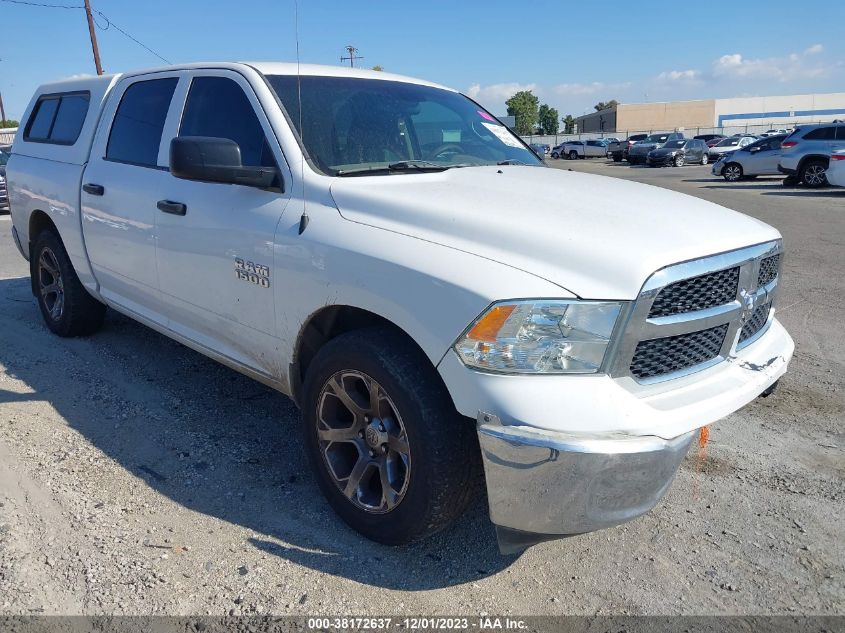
(571, 54)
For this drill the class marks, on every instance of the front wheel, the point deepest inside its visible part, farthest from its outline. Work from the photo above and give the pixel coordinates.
(732, 172)
(555, 155)
(66, 306)
(573, 155)
(390, 452)
(679, 160)
(705, 159)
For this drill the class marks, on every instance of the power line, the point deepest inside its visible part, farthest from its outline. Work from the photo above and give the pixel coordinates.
(43, 4)
(139, 43)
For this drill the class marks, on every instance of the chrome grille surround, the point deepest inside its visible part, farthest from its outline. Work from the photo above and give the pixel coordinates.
(639, 326)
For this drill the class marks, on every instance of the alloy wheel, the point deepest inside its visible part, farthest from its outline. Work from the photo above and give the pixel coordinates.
(363, 441)
(679, 160)
(814, 175)
(51, 284)
(732, 173)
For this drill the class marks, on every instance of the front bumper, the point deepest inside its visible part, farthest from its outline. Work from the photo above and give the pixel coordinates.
(660, 161)
(718, 167)
(571, 454)
(542, 484)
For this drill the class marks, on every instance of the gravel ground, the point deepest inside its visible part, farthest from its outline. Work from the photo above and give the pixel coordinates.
(138, 477)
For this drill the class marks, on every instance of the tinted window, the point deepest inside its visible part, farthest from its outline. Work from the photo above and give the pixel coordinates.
(42, 119)
(840, 133)
(821, 134)
(218, 107)
(136, 130)
(69, 118)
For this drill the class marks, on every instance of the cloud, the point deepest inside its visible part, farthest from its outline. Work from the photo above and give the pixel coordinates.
(495, 95)
(679, 75)
(795, 66)
(595, 87)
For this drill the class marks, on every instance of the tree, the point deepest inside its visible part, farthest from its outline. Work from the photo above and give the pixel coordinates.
(569, 124)
(524, 107)
(378, 67)
(8, 123)
(601, 105)
(548, 119)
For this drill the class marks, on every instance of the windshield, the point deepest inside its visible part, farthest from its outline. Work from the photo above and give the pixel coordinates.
(728, 142)
(674, 144)
(354, 125)
(656, 138)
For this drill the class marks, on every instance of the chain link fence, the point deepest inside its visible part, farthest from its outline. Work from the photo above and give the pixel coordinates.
(727, 130)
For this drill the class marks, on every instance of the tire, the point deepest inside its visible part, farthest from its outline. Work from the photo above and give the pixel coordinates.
(813, 174)
(573, 155)
(617, 158)
(705, 158)
(66, 306)
(437, 468)
(679, 160)
(732, 172)
(555, 155)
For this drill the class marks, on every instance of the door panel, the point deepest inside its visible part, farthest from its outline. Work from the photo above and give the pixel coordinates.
(120, 187)
(216, 261)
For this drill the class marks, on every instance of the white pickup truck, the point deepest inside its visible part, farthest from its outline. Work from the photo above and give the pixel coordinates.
(385, 252)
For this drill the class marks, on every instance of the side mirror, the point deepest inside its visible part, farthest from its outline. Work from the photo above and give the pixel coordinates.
(211, 159)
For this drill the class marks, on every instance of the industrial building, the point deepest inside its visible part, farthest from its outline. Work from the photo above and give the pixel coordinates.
(707, 114)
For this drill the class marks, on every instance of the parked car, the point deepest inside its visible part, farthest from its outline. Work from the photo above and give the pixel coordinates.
(421, 294)
(538, 149)
(807, 151)
(638, 152)
(5, 153)
(557, 150)
(678, 152)
(760, 158)
(773, 132)
(592, 148)
(730, 144)
(619, 150)
(835, 173)
(709, 138)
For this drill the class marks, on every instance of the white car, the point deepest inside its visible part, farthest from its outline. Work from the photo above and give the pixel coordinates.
(730, 144)
(836, 169)
(430, 294)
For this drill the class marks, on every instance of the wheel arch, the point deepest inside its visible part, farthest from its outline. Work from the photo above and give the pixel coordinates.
(328, 323)
(39, 221)
(821, 157)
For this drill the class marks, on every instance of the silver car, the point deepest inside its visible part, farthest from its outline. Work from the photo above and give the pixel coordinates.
(760, 158)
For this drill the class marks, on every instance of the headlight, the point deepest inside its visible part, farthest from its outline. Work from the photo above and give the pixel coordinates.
(543, 336)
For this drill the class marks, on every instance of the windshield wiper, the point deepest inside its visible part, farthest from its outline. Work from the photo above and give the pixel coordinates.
(400, 166)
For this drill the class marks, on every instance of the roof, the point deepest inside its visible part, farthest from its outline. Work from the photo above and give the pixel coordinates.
(82, 82)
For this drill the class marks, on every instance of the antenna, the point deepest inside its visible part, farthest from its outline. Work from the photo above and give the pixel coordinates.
(303, 220)
(353, 55)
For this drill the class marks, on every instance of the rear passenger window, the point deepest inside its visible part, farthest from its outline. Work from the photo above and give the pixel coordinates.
(136, 130)
(58, 118)
(218, 107)
(821, 134)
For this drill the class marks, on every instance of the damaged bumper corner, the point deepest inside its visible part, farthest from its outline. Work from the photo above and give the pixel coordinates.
(543, 485)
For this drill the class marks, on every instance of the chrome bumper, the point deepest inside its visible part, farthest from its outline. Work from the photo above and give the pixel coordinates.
(543, 485)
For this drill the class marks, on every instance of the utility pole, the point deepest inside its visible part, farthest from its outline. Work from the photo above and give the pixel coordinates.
(93, 35)
(352, 55)
(2, 109)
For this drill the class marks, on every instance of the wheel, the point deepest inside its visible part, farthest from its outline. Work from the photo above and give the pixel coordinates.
(704, 158)
(732, 172)
(390, 452)
(573, 155)
(679, 160)
(555, 155)
(813, 174)
(66, 306)
(617, 158)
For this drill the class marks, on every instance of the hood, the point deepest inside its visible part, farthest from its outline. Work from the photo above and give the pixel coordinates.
(596, 236)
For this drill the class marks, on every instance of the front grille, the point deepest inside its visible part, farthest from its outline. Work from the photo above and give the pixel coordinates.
(697, 293)
(768, 269)
(754, 324)
(657, 357)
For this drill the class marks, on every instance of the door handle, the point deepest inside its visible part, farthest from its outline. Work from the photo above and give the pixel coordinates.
(94, 190)
(168, 206)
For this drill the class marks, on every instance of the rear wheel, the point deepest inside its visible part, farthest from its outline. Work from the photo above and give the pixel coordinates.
(390, 452)
(573, 155)
(732, 172)
(66, 306)
(813, 174)
(704, 158)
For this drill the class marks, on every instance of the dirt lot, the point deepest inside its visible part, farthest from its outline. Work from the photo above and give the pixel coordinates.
(138, 477)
